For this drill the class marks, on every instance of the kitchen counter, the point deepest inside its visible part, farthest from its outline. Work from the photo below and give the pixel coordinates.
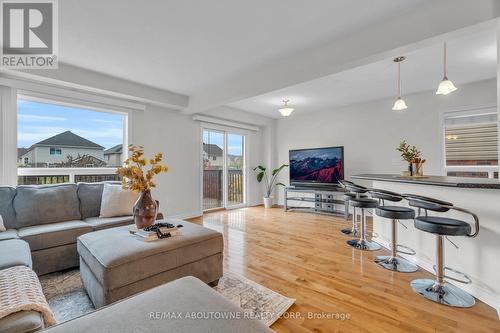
(434, 180)
(477, 257)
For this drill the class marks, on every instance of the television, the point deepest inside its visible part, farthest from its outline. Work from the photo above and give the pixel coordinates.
(316, 166)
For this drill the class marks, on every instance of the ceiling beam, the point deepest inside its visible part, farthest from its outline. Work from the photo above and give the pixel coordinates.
(423, 26)
(76, 78)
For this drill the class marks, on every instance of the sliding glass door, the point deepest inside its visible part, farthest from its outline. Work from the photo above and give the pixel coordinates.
(223, 158)
(235, 167)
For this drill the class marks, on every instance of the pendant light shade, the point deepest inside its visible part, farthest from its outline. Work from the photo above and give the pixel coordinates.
(286, 110)
(400, 104)
(445, 86)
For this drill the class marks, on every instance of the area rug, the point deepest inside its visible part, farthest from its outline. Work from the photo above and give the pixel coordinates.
(67, 297)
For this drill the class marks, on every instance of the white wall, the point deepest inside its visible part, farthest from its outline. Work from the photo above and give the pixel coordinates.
(370, 132)
(259, 145)
(178, 137)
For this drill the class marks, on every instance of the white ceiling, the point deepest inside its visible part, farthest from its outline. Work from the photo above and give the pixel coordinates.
(470, 58)
(187, 45)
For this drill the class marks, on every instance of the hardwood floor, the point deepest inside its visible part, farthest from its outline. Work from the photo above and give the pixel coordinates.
(304, 256)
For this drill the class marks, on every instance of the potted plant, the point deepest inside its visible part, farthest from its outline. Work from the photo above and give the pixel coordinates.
(269, 182)
(413, 156)
(136, 178)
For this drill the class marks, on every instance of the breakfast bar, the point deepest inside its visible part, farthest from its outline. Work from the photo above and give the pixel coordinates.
(477, 257)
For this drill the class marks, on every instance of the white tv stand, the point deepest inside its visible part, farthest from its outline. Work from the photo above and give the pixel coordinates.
(328, 200)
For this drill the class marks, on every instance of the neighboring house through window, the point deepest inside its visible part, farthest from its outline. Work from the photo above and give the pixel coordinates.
(55, 140)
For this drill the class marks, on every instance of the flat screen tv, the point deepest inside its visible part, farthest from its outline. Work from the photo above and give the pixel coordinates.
(316, 166)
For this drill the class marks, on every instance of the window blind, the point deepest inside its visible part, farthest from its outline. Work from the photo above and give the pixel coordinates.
(470, 143)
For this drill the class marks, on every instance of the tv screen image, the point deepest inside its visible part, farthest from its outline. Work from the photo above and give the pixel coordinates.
(319, 165)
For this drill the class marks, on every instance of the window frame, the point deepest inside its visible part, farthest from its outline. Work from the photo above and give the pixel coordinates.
(55, 149)
(84, 105)
(465, 112)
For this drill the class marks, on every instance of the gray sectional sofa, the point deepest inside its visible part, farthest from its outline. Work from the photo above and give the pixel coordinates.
(51, 217)
(44, 223)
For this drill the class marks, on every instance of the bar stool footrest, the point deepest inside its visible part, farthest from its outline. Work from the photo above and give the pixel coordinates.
(406, 250)
(466, 279)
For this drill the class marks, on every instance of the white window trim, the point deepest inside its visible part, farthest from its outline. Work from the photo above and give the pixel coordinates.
(9, 170)
(246, 171)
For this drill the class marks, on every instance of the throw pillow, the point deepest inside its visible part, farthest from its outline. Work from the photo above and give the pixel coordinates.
(116, 201)
(2, 227)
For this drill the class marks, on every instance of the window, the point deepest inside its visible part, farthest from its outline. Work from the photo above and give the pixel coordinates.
(471, 144)
(55, 151)
(59, 142)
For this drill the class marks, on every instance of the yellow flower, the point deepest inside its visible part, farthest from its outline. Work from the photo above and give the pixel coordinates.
(134, 177)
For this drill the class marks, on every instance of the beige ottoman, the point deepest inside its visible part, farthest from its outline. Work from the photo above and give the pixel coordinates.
(114, 264)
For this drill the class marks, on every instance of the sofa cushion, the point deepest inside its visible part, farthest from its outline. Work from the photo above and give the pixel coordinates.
(14, 252)
(9, 234)
(117, 258)
(35, 205)
(90, 195)
(45, 236)
(117, 201)
(99, 223)
(22, 322)
(7, 195)
(145, 313)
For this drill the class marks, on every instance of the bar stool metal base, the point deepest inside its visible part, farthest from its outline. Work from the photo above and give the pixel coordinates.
(365, 245)
(446, 293)
(396, 264)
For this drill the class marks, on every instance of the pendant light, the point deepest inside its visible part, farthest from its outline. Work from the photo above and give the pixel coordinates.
(286, 110)
(446, 86)
(400, 104)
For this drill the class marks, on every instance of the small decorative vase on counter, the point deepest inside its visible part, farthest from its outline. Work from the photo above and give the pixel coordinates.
(145, 210)
(268, 202)
(410, 169)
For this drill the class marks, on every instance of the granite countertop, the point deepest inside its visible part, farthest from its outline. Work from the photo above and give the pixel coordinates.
(460, 182)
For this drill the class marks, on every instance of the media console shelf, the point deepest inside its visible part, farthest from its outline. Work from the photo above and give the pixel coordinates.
(317, 200)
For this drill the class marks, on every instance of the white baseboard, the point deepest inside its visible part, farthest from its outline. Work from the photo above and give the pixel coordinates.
(475, 289)
(185, 216)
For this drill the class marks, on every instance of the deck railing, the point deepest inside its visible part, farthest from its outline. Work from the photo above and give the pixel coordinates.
(40, 176)
(213, 188)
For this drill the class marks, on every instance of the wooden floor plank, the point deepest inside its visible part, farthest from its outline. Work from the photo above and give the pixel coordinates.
(304, 256)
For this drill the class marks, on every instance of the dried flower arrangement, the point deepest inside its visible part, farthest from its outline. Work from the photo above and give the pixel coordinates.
(133, 173)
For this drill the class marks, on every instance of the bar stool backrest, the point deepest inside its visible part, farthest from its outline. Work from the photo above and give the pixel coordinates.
(427, 203)
(356, 188)
(385, 195)
(344, 183)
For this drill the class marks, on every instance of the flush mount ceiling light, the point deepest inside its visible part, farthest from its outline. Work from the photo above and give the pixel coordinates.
(400, 104)
(446, 86)
(286, 110)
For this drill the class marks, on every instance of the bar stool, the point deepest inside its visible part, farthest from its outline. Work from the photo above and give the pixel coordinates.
(438, 290)
(395, 213)
(347, 197)
(362, 243)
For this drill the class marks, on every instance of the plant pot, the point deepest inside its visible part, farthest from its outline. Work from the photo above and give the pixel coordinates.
(145, 210)
(268, 202)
